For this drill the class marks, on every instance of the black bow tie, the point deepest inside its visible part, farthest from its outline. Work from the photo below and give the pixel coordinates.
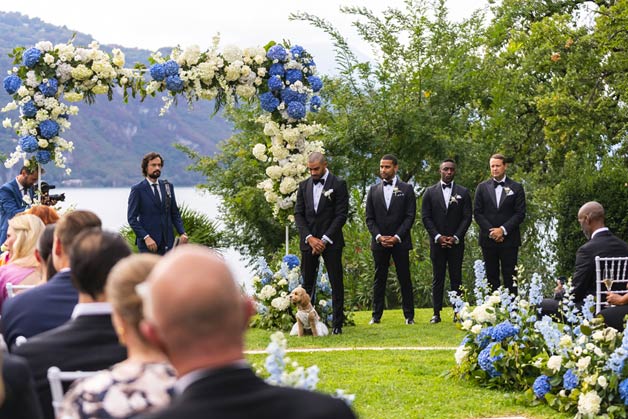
(317, 181)
(388, 182)
(496, 183)
(446, 185)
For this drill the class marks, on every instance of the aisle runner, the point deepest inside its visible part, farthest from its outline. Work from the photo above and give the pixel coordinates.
(359, 348)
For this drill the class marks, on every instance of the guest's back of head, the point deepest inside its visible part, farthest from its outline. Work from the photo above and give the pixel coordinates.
(44, 252)
(46, 213)
(25, 230)
(71, 224)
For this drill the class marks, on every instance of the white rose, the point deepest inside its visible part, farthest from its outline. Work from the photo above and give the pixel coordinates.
(118, 57)
(583, 363)
(461, 354)
(6, 123)
(467, 324)
(49, 59)
(23, 91)
(602, 381)
(599, 335)
(476, 329)
(43, 143)
(282, 282)
(494, 299)
(554, 363)
(565, 341)
(323, 303)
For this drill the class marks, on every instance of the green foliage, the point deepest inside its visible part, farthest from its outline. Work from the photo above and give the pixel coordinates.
(198, 227)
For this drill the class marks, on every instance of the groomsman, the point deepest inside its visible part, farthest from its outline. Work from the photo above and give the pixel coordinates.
(446, 213)
(500, 208)
(320, 212)
(390, 212)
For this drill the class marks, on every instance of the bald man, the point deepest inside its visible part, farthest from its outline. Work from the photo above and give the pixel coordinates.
(200, 324)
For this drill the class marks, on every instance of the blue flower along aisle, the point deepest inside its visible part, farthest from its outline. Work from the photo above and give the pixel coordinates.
(580, 369)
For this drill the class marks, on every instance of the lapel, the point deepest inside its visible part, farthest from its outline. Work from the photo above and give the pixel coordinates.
(322, 202)
(491, 192)
(18, 193)
(503, 197)
(440, 198)
(379, 195)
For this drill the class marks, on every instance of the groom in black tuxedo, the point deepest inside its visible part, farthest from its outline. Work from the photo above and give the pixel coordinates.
(446, 213)
(390, 212)
(320, 212)
(500, 208)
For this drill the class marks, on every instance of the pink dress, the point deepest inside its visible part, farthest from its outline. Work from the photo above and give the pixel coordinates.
(13, 274)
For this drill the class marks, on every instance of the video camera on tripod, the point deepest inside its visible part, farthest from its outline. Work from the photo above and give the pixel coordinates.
(46, 198)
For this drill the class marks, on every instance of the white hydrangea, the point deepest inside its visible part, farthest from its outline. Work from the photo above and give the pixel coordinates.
(483, 314)
(554, 363)
(44, 46)
(266, 292)
(280, 303)
(232, 53)
(259, 151)
(279, 152)
(287, 185)
(274, 172)
(589, 403)
(245, 91)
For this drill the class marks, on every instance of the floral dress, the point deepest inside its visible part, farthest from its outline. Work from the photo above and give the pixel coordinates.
(122, 391)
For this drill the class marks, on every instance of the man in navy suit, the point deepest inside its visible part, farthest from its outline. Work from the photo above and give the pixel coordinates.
(390, 213)
(320, 212)
(48, 305)
(12, 197)
(152, 212)
(446, 213)
(500, 208)
(199, 318)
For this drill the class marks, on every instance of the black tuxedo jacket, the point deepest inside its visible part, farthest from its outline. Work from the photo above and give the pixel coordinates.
(86, 343)
(20, 401)
(236, 393)
(397, 219)
(331, 215)
(510, 214)
(446, 221)
(603, 244)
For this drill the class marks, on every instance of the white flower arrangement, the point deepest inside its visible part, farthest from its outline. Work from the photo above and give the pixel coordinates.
(328, 193)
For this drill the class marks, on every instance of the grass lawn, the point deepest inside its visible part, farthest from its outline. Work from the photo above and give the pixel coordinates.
(400, 384)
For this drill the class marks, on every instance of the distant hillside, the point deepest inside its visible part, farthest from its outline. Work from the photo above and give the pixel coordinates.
(111, 137)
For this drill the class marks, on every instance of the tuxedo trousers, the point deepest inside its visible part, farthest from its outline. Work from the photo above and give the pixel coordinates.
(442, 258)
(615, 316)
(507, 258)
(401, 257)
(333, 264)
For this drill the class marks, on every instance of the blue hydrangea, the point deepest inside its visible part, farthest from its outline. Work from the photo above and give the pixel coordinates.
(12, 83)
(277, 52)
(174, 83)
(157, 72)
(43, 156)
(28, 144)
(570, 380)
(315, 103)
(484, 337)
(291, 260)
(541, 386)
(29, 109)
(31, 57)
(48, 129)
(289, 96)
(309, 62)
(268, 102)
(315, 83)
(297, 51)
(623, 390)
(293, 75)
(503, 330)
(296, 110)
(275, 83)
(49, 88)
(171, 68)
(487, 362)
(277, 70)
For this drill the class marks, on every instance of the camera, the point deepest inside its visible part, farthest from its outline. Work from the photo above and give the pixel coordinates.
(46, 198)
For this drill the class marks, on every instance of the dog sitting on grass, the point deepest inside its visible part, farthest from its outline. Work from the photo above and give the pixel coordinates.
(307, 318)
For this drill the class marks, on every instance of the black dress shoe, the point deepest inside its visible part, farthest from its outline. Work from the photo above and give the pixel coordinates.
(337, 331)
(435, 319)
(374, 321)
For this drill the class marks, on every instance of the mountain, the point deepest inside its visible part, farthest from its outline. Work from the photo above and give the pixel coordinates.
(110, 138)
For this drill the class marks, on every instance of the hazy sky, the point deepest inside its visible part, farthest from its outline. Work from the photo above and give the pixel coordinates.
(155, 24)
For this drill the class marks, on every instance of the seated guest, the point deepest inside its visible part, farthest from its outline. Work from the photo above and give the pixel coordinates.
(615, 316)
(199, 317)
(51, 304)
(47, 213)
(145, 380)
(20, 400)
(43, 253)
(23, 267)
(88, 341)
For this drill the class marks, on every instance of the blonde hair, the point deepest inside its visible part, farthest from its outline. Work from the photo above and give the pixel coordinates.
(27, 229)
(120, 289)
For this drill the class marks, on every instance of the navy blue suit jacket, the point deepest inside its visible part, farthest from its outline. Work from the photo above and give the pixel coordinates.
(39, 309)
(11, 202)
(149, 216)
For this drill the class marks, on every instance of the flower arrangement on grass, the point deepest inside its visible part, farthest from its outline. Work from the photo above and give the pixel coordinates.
(272, 289)
(579, 369)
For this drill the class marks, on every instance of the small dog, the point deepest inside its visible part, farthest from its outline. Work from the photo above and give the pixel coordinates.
(307, 317)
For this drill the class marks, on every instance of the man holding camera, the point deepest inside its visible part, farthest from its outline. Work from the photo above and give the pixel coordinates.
(16, 196)
(152, 212)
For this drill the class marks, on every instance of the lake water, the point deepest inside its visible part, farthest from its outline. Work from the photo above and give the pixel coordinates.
(111, 204)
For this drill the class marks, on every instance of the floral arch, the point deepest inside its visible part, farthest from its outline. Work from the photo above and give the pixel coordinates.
(47, 78)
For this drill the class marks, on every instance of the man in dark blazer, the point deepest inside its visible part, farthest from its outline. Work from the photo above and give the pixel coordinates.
(20, 400)
(446, 212)
(152, 211)
(390, 213)
(87, 342)
(500, 208)
(320, 212)
(200, 317)
(12, 197)
(48, 305)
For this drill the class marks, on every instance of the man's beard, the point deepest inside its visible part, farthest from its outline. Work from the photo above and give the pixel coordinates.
(155, 175)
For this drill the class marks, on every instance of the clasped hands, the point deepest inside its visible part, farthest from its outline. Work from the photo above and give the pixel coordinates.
(317, 245)
(388, 241)
(496, 234)
(446, 241)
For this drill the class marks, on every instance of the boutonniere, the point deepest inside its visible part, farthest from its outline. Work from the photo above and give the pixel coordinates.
(27, 199)
(508, 191)
(454, 199)
(397, 192)
(328, 193)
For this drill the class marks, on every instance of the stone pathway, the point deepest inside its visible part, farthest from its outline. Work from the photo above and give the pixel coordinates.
(360, 348)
